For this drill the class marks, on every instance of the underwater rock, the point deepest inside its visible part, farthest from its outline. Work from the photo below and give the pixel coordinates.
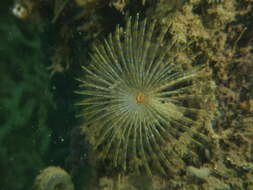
(201, 173)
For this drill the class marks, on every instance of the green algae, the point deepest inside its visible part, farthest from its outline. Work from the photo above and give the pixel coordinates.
(25, 102)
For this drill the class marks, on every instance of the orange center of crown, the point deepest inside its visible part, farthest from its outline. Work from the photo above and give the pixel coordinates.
(140, 97)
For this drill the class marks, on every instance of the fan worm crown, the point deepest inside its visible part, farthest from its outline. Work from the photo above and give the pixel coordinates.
(135, 99)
